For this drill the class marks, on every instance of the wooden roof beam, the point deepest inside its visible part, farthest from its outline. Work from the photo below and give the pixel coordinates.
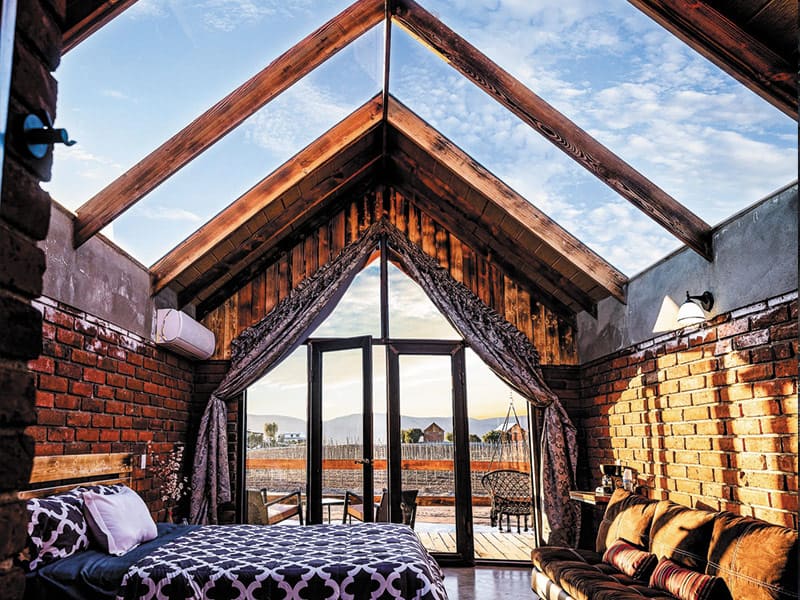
(555, 127)
(444, 151)
(266, 191)
(224, 116)
(76, 32)
(244, 263)
(728, 46)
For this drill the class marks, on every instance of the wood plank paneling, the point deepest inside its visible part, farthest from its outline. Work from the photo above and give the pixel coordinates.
(550, 332)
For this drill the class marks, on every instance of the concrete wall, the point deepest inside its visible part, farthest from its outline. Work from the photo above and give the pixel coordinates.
(755, 257)
(98, 278)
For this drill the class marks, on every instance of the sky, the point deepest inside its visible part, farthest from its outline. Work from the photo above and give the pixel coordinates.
(425, 388)
(701, 136)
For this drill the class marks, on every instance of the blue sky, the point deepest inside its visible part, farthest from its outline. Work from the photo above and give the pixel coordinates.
(697, 133)
(693, 130)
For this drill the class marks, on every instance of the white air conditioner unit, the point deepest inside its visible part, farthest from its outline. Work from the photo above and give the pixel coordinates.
(181, 333)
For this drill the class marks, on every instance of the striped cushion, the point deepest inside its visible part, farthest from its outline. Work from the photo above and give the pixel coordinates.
(683, 583)
(629, 559)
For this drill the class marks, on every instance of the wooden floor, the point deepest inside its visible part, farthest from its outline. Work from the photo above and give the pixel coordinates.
(488, 545)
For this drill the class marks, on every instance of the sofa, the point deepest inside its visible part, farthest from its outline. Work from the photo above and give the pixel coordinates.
(662, 550)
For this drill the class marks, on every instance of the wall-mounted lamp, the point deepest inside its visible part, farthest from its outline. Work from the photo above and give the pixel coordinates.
(691, 313)
(40, 135)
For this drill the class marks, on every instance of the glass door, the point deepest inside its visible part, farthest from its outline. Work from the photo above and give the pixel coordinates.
(429, 445)
(340, 427)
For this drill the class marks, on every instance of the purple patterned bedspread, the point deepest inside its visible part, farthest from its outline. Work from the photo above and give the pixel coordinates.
(374, 561)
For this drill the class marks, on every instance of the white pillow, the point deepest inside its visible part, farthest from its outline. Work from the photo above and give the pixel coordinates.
(119, 522)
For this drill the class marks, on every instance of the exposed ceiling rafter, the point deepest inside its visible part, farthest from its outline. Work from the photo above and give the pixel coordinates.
(291, 173)
(444, 151)
(431, 195)
(728, 46)
(224, 116)
(555, 127)
(80, 24)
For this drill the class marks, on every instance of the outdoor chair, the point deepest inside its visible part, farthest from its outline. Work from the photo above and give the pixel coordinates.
(284, 507)
(510, 492)
(354, 507)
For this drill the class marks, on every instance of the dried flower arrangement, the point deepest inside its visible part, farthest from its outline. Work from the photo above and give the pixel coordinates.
(172, 484)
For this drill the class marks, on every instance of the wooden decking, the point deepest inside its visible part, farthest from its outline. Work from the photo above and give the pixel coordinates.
(488, 545)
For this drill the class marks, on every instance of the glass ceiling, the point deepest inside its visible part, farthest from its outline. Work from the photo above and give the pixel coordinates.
(139, 99)
(694, 131)
(678, 119)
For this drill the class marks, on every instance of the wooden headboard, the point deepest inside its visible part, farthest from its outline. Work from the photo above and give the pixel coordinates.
(53, 474)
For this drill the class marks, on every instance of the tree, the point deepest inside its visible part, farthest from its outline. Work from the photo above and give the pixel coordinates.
(492, 437)
(474, 438)
(411, 436)
(449, 436)
(270, 431)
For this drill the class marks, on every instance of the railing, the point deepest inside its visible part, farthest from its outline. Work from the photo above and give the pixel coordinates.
(426, 467)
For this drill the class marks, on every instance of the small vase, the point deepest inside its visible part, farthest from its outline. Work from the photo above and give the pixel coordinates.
(169, 515)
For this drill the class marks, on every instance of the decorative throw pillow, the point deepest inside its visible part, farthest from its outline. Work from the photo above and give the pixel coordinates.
(629, 559)
(118, 522)
(683, 583)
(56, 529)
(103, 489)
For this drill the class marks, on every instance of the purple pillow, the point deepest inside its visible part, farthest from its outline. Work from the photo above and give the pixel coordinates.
(118, 522)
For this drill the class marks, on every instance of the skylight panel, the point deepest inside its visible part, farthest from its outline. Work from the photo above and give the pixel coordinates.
(153, 69)
(230, 167)
(523, 159)
(674, 116)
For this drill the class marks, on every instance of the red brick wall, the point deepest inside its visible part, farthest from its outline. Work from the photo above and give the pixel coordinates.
(101, 389)
(24, 219)
(708, 416)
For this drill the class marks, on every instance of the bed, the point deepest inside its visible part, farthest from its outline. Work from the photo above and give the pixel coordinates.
(366, 560)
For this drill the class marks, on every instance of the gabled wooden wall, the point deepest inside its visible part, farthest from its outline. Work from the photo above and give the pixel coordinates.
(552, 331)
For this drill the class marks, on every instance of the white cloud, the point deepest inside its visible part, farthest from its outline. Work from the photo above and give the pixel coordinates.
(165, 213)
(292, 120)
(115, 94)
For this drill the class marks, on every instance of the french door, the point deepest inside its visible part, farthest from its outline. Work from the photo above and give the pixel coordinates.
(336, 356)
(446, 361)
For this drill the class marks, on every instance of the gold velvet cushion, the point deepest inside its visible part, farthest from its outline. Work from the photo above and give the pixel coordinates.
(757, 560)
(628, 516)
(685, 584)
(681, 534)
(629, 559)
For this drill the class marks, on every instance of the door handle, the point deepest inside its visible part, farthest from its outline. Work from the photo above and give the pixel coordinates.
(363, 461)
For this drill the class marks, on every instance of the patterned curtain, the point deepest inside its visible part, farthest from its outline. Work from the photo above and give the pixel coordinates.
(254, 352)
(506, 350)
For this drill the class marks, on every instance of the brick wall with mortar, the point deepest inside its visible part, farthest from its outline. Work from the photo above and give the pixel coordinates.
(707, 416)
(102, 389)
(24, 219)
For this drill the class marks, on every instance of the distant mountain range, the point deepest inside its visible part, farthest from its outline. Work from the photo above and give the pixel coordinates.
(348, 428)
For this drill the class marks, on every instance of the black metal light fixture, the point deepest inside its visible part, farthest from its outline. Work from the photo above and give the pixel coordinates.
(40, 135)
(692, 313)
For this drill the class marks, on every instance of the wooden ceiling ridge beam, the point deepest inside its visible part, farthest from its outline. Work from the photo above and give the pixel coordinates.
(224, 116)
(451, 156)
(555, 127)
(723, 42)
(75, 33)
(292, 172)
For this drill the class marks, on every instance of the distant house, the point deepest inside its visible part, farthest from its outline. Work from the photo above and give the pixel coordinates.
(291, 437)
(433, 433)
(515, 433)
